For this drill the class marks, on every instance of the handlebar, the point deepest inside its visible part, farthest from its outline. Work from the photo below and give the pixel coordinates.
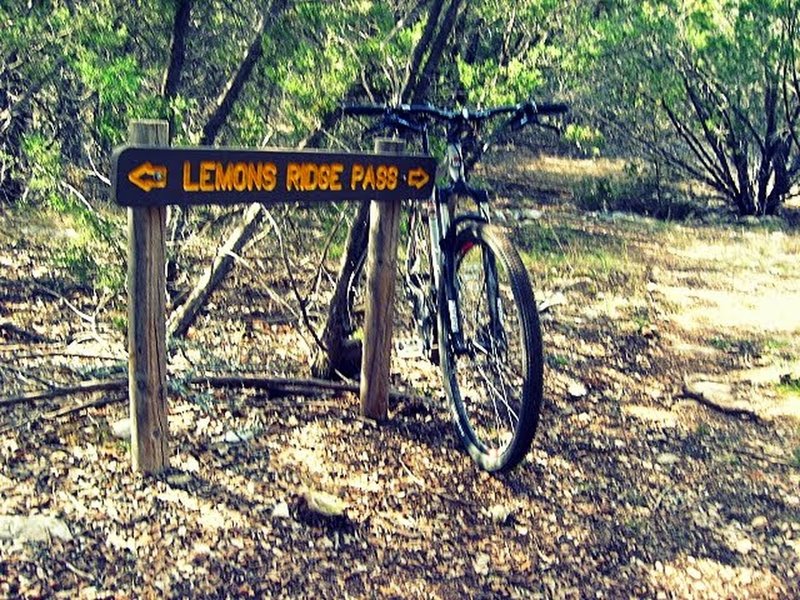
(524, 112)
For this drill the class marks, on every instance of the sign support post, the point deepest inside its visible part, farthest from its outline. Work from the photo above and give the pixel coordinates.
(147, 353)
(384, 227)
(148, 175)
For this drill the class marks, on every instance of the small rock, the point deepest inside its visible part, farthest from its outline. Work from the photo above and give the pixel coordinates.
(694, 573)
(481, 563)
(238, 436)
(281, 511)
(759, 522)
(577, 390)
(325, 504)
(34, 528)
(191, 464)
(499, 513)
(744, 546)
(530, 214)
(121, 429)
(179, 479)
(666, 459)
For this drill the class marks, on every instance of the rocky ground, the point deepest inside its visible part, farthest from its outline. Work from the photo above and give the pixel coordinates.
(666, 464)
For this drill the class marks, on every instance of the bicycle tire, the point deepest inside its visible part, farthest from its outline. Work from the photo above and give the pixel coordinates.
(490, 381)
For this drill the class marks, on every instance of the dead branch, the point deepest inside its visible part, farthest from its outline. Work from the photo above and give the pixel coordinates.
(82, 315)
(728, 410)
(84, 387)
(276, 385)
(182, 317)
(293, 284)
(99, 403)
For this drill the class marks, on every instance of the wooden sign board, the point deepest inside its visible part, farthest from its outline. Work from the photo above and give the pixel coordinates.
(158, 176)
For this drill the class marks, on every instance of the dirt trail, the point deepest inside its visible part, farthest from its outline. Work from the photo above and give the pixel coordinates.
(632, 488)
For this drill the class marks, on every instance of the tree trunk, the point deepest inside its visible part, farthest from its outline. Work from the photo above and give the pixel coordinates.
(169, 90)
(428, 76)
(181, 318)
(343, 355)
(415, 65)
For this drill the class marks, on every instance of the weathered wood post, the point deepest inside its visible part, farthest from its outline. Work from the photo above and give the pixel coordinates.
(384, 226)
(147, 353)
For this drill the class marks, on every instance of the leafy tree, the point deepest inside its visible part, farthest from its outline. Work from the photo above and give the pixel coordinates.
(709, 86)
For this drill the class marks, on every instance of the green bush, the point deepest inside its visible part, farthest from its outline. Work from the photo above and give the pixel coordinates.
(634, 192)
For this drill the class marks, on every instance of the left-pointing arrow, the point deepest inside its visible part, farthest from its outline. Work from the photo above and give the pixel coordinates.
(148, 176)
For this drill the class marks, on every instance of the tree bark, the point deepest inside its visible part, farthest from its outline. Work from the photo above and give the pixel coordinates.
(343, 355)
(428, 76)
(180, 320)
(415, 64)
(236, 83)
(177, 55)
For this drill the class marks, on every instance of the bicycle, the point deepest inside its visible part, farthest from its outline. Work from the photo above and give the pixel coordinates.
(472, 299)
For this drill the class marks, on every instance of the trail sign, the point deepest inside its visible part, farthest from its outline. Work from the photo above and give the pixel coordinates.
(157, 176)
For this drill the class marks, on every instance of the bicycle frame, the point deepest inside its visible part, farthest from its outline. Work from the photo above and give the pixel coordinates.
(442, 229)
(492, 374)
(441, 220)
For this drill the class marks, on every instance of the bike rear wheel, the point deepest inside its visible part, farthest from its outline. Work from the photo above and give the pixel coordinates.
(490, 347)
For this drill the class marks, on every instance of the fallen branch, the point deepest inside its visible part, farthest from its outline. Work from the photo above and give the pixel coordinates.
(703, 399)
(59, 392)
(30, 336)
(68, 410)
(276, 385)
(180, 320)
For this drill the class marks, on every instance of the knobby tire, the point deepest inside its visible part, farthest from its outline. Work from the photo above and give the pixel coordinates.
(494, 381)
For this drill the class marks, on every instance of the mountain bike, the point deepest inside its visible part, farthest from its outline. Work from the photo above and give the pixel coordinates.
(472, 300)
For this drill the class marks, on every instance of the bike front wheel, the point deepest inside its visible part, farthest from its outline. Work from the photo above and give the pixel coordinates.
(490, 347)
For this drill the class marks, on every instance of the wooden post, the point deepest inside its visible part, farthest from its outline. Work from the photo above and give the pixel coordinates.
(384, 221)
(147, 354)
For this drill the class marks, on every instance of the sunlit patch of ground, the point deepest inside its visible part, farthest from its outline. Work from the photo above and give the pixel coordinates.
(690, 577)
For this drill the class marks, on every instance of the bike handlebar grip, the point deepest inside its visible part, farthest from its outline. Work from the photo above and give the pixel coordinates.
(553, 108)
(369, 110)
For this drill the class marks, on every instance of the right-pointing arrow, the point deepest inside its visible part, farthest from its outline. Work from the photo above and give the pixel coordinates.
(418, 178)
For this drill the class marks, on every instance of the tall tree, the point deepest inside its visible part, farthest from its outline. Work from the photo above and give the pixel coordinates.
(716, 83)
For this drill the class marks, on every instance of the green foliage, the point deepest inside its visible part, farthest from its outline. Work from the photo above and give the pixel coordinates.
(507, 51)
(586, 138)
(636, 191)
(41, 159)
(789, 384)
(709, 87)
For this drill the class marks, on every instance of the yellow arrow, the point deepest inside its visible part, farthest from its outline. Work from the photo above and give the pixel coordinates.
(148, 176)
(418, 178)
